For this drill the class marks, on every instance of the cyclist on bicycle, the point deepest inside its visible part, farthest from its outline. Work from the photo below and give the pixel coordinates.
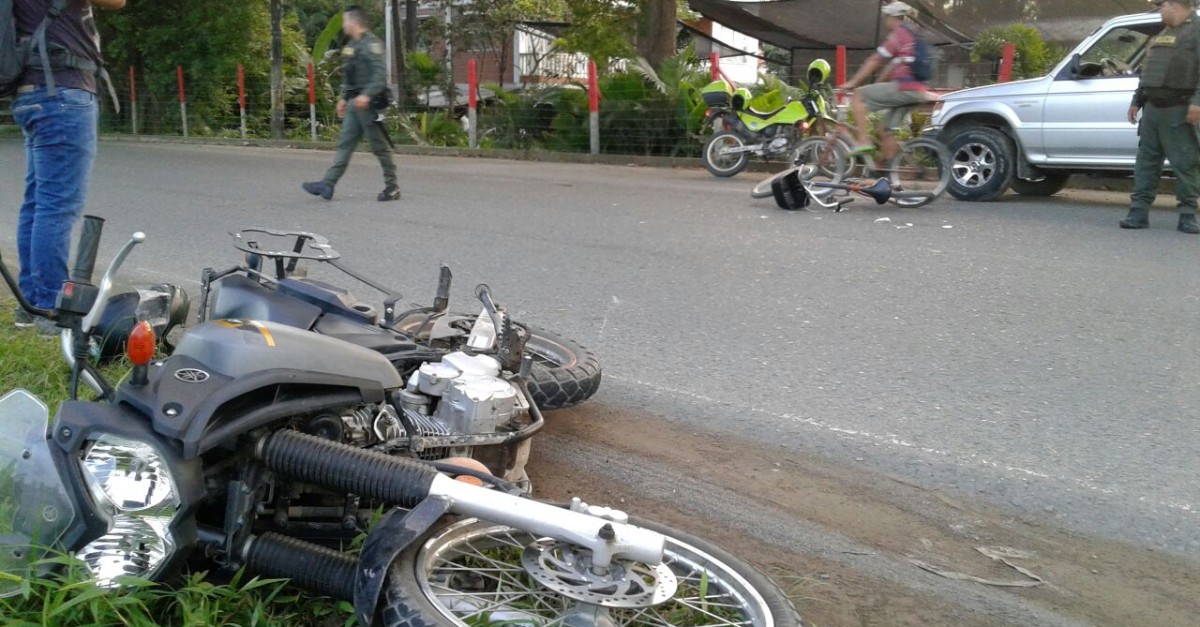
(897, 90)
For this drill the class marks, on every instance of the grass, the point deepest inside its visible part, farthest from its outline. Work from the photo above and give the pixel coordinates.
(34, 363)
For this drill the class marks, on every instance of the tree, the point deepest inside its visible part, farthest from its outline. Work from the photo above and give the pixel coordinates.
(600, 29)
(656, 41)
(490, 25)
(1033, 56)
(209, 40)
(603, 29)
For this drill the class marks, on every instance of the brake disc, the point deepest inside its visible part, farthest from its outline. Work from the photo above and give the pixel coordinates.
(567, 570)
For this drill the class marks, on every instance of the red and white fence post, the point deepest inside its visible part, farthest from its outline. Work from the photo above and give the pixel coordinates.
(594, 107)
(182, 99)
(312, 102)
(242, 98)
(1006, 62)
(839, 65)
(472, 102)
(133, 98)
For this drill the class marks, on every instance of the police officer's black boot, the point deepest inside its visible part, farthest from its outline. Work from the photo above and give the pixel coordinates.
(1137, 219)
(1187, 224)
(391, 192)
(319, 188)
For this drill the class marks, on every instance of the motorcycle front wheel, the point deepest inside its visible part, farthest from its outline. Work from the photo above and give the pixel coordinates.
(470, 572)
(724, 165)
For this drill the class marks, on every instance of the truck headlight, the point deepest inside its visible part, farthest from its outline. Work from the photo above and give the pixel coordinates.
(130, 481)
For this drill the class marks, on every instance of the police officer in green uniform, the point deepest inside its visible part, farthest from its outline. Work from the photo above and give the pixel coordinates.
(1169, 97)
(364, 78)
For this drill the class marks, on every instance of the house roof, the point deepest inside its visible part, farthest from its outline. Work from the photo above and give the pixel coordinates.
(826, 24)
(806, 24)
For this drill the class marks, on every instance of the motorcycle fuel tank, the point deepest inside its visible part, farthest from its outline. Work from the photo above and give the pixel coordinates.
(236, 348)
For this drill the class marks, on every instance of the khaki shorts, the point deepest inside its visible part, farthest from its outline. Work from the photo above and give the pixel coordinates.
(894, 102)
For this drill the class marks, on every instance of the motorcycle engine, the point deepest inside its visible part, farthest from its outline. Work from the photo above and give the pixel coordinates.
(460, 396)
(779, 144)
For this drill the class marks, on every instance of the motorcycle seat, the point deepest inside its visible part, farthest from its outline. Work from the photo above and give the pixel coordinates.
(764, 115)
(329, 298)
(369, 336)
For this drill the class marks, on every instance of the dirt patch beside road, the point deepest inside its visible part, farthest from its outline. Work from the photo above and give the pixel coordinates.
(1088, 580)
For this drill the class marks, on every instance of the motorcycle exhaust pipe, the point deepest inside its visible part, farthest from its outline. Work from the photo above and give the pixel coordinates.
(405, 483)
(747, 148)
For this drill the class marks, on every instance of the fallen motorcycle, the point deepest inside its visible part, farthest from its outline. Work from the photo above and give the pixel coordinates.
(563, 373)
(236, 451)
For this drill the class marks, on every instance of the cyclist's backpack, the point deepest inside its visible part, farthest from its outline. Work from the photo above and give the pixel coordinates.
(924, 61)
(14, 50)
(16, 53)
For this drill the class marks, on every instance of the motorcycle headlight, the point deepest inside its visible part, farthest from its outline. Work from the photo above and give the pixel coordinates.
(132, 483)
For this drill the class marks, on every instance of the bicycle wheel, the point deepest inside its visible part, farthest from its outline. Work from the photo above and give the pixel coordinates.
(763, 189)
(920, 172)
(830, 156)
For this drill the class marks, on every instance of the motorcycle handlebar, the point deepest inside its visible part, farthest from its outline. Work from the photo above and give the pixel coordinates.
(85, 253)
(106, 282)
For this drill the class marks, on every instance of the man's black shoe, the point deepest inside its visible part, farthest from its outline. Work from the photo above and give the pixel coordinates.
(1134, 223)
(319, 188)
(1187, 224)
(391, 192)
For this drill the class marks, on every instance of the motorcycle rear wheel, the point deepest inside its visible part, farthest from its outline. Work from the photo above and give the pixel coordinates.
(564, 373)
(469, 572)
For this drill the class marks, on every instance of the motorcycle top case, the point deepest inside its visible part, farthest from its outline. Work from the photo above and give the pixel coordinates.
(717, 93)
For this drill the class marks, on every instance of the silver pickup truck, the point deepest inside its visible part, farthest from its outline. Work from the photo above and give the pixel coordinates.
(1031, 135)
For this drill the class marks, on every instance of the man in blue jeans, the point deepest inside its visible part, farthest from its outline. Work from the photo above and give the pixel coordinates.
(60, 143)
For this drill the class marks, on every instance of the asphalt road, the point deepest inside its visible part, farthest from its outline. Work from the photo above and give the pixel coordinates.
(1026, 352)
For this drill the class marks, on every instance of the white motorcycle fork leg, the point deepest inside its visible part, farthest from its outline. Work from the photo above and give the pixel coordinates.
(606, 539)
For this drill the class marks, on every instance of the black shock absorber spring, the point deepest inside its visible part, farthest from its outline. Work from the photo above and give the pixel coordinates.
(310, 566)
(347, 469)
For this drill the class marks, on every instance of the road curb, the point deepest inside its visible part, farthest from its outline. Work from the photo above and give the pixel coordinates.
(1077, 181)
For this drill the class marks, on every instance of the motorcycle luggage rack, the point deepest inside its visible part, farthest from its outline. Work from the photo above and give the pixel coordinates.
(307, 245)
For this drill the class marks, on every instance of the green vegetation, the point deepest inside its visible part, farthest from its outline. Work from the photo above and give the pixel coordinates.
(1033, 56)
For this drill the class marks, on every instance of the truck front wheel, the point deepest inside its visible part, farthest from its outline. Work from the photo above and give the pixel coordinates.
(981, 163)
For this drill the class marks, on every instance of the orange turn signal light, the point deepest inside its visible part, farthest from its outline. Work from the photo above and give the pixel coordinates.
(140, 348)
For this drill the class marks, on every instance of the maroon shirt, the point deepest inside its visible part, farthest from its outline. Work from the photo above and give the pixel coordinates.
(74, 29)
(899, 49)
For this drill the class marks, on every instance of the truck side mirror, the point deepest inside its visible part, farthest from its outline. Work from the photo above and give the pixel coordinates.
(1072, 69)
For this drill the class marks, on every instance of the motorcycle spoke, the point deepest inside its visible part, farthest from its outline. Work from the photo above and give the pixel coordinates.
(479, 575)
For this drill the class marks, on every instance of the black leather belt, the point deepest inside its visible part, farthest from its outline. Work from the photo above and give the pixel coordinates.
(1167, 103)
